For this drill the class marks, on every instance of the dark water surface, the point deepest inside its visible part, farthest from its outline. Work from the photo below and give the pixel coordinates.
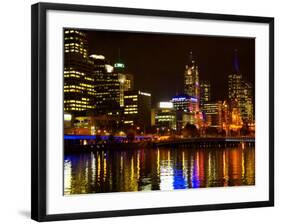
(158, 169)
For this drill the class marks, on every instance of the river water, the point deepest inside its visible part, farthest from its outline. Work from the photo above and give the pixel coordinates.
(158, 169)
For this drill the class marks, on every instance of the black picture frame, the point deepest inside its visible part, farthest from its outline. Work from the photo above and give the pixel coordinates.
(38, 108)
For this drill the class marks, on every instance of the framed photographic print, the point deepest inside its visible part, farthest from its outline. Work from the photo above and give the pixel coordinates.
(138, 111)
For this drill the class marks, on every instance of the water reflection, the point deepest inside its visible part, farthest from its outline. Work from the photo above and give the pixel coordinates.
(158, 169)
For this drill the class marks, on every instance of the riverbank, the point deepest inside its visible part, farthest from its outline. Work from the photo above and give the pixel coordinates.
(88, 144)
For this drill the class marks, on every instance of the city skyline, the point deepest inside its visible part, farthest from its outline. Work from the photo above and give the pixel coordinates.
(107, 97)
(144, 57)
(141, 123)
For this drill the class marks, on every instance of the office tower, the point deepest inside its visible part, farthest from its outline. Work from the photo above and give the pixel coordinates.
(213, 114)
(184, 103)
(240, 92)
(106, 86)
(191, 79)
(137, 109)
(246, 104)
(126, 80)
(225, 117)
(78, 77)
(126, 83)
(186, 110)
(205, 92)
(165, 117)
(236, 121)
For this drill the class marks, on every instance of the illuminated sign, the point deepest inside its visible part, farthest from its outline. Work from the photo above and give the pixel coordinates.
(96, 56)
(192, 99)
(179, 98)
(144, 94)
(67, 117)
(165, 105)
(119, 65)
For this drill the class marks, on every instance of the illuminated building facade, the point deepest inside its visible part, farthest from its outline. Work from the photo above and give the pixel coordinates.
(165, 117)
(106, 86)
(137, 109)
(205, 92)
(246, 103)
(191, 79)
(236, 121)
(241, 92)
(126, 82)
(225, 117)
(213, 114)
(78, 77)
(235, 86)
(184, 103)
(91, 86)
(186, 110)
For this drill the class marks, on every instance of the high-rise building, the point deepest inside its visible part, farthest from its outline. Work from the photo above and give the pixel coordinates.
(235, 85)
(90, 83)
(126, 83)
(191, 78)
(205, 92)
(137, 109)
(236, 121)
(126, 80)
(186, 110)
(165, 116)
(213, 114)
(240, 92)
(78, 77)
(226, 117)
(184, 103)
(106, 86)
(246, 104)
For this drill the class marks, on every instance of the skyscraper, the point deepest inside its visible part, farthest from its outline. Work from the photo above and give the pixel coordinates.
(165, 117)
(191, 78)
(213, 114)
(78, 77)
(205, 92)
(235, 85)
(186, 107)
(137, 109)
(246, 104)
(126, 81)
(106, 86)
(240, 92)
(91, 86)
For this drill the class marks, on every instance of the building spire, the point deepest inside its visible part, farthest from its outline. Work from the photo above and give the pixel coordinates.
(119, 54)
(119, 65)
(236, 64)
(190, 57)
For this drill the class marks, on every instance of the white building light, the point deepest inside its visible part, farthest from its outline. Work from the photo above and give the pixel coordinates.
(67, 117)
(166, 105)
(109, 68)
(96, 56)
(144, 94)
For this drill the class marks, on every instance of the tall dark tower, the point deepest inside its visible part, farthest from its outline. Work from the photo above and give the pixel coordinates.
(236, 63)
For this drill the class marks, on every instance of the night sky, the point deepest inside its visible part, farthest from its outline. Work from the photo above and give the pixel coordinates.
(157, 61)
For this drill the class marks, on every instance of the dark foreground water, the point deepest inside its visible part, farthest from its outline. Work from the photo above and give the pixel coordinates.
(158, 169)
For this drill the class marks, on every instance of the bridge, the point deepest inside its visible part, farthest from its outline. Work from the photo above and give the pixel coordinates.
(206, 142)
